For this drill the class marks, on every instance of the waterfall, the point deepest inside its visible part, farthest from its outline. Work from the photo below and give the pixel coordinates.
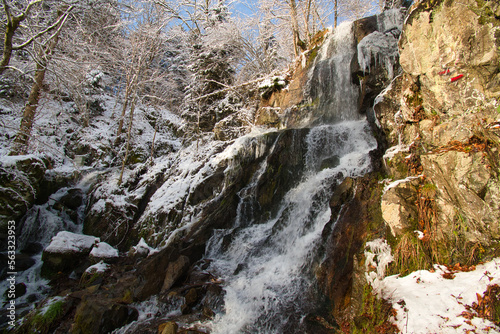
(267, 268)
(330, 89)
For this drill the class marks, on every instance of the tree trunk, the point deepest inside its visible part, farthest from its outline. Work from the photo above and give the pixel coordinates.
(153, 143)
(23, 136)
(336, 13)
(129, 135)
(10, 29)
(298, 44)
(122, 116)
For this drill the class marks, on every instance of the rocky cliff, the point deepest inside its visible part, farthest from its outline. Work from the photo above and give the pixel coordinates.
(440, 117)
(441, 122)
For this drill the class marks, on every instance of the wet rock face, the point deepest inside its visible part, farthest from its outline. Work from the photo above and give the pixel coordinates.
(355, 214)
(285, 166)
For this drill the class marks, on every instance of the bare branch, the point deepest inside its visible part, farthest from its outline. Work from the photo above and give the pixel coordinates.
(43, 32)
(28, 8)
(7, 12)
(228, 88)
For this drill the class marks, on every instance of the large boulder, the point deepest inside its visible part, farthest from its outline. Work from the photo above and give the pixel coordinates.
(398, 206)
(96, 315)
(66, 252)
(20, 178)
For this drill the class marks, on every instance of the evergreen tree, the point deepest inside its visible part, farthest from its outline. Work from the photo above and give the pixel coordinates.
(214, 55)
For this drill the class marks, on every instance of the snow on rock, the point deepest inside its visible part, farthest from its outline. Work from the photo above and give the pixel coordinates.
(392, 151)
(104, 250)
(143, 248)
(398, 182)
(11, 161)
(97, 268)
(427, 302)
(66, 242)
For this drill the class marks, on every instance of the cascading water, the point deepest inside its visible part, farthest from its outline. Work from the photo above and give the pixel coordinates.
(38, 226)
(330, 88)
(267, 268)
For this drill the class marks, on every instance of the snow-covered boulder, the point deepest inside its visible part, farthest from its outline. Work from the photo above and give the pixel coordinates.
(103, 252)
(66, 252)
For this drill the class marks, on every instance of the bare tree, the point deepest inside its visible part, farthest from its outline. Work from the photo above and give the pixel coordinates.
(90, 49)
(356, 9)
(13, 23)
(143, 69)
(45, 53)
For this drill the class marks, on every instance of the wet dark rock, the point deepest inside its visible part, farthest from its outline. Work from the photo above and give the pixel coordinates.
(208, 187)
(285, 167)
(330, 162)
(32, 248)
(152, 273)
(213, 301)
(170, 327)
(360, 214)
(73, 198)
(191, 297)
(98, 316)
(24, 261)
(175, 270)
(365, 26)
(19, 291)
(53, 181)
(19, 186)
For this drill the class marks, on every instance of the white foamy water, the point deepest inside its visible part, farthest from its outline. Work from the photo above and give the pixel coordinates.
(330, 87)
(266, 268)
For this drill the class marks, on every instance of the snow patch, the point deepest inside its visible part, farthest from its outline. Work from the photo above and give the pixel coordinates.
(104, 250)
(143, 248)
(11, 161)
(98, 268)
(274, 81)
(392, 151)
(398, 182)
(426, 302)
